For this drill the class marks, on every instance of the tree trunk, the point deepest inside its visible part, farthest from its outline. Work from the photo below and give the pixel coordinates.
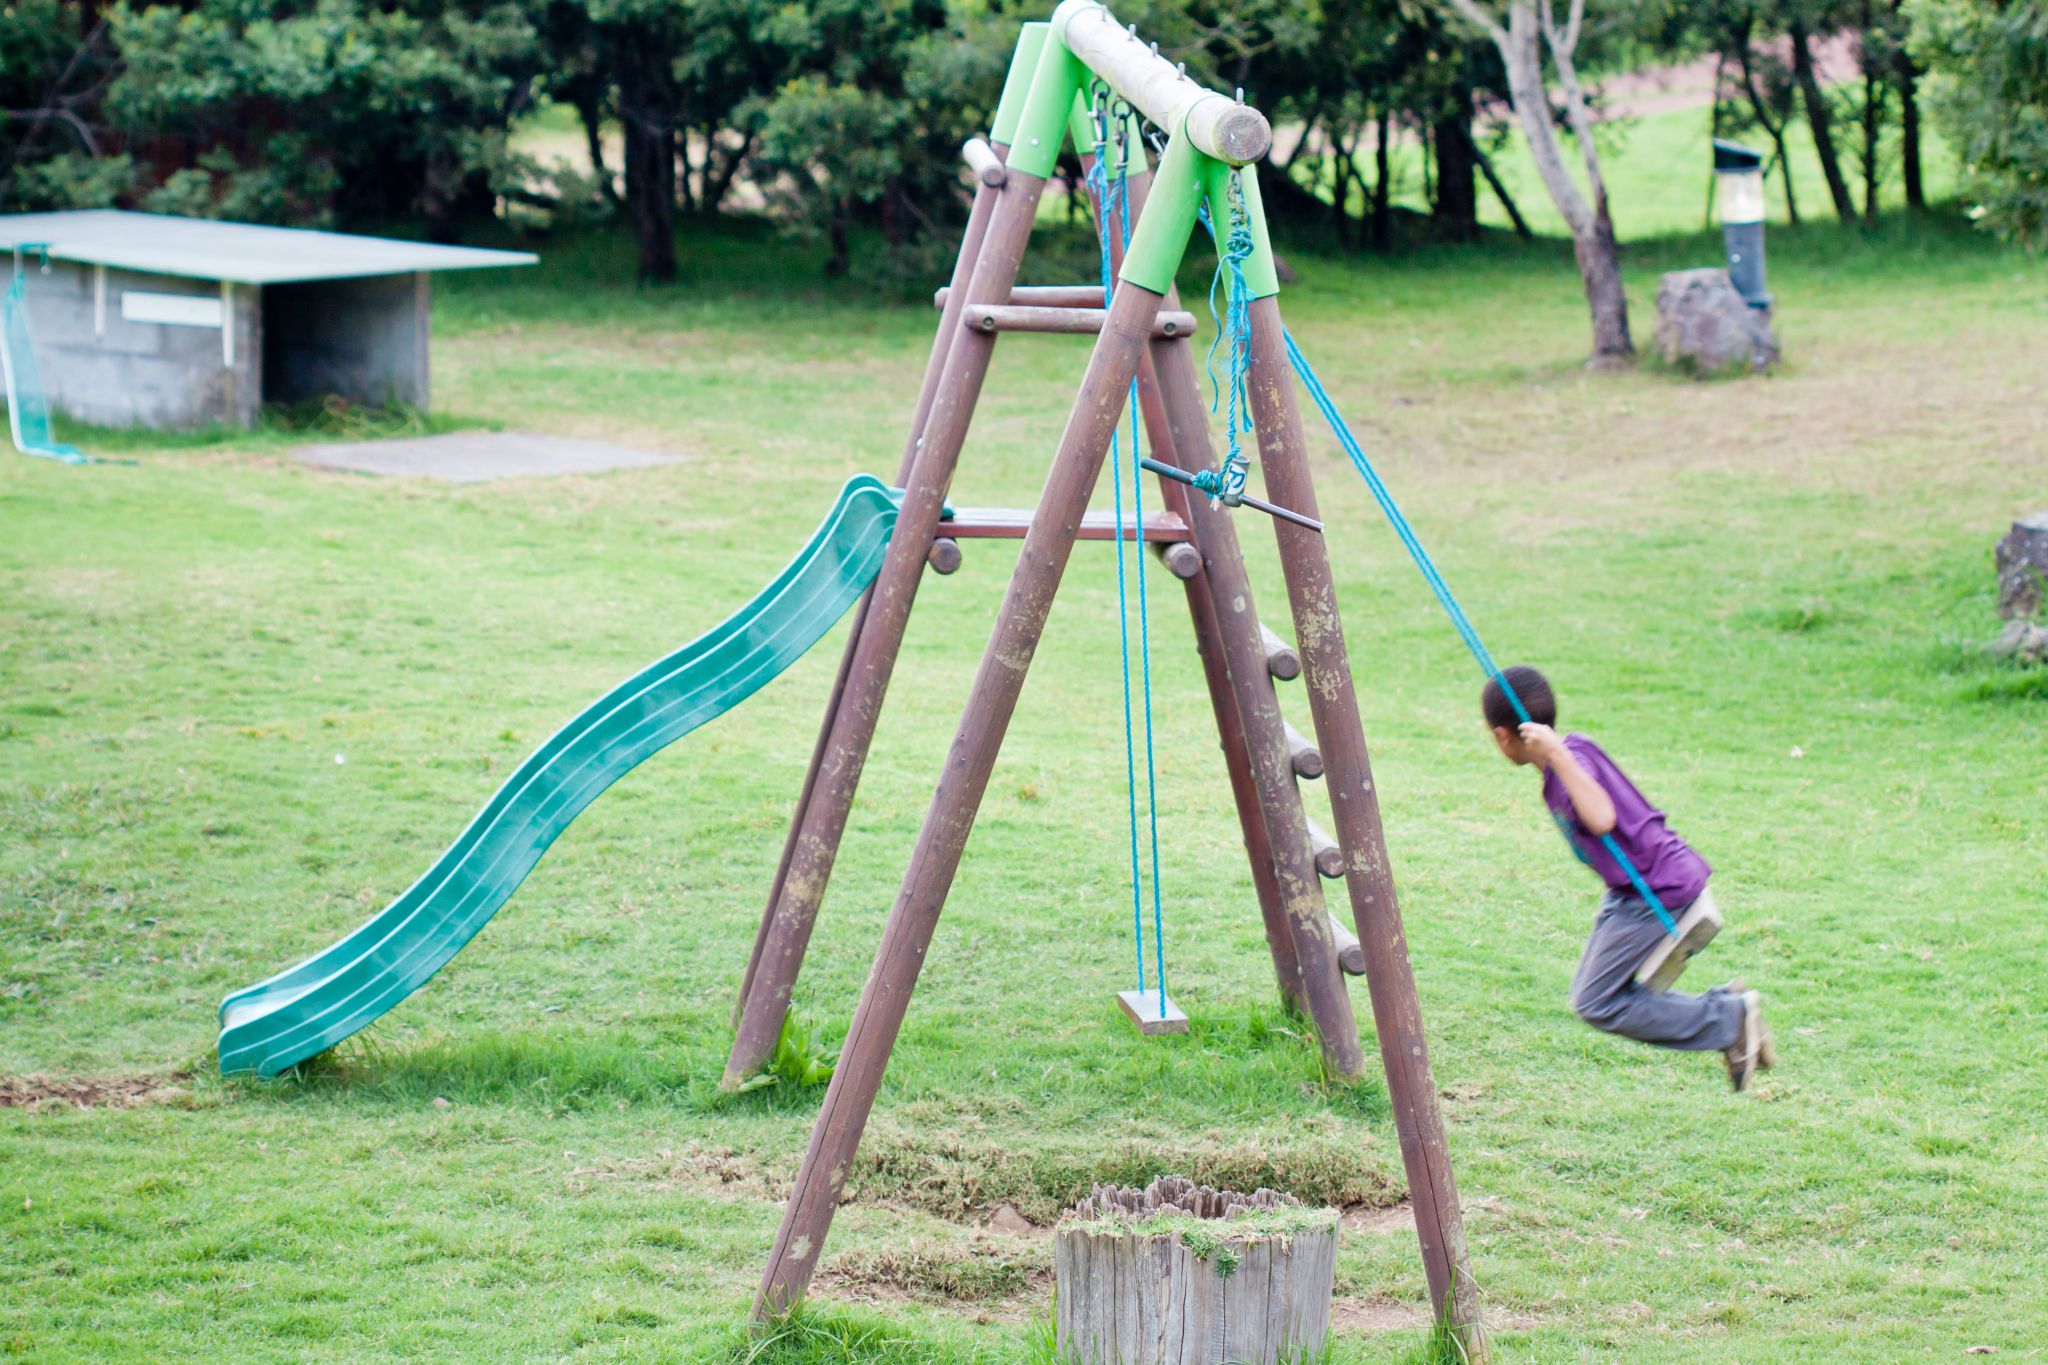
(1871, 116)
(1500, 192)
(592, 115)
(1382, 186)
(651, 195)
(1599, 257)
(1455, 210)
(1820, 121)
(1909, 131)
(1776, 131)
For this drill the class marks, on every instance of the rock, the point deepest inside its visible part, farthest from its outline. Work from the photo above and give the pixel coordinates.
(2022, 559)
(1007, 1219)
(2022, 643)
(1704, 326)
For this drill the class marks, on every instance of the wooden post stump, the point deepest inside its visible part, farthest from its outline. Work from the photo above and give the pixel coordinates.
(1180, 1274)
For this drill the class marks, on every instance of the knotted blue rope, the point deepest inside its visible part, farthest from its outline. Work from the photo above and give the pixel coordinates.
(1321, 398)
(1233, 329)
(1114, 201)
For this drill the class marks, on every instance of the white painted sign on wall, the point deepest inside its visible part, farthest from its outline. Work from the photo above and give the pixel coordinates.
(177, 310)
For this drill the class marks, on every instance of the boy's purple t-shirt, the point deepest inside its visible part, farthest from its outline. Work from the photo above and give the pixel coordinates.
(1666, 862)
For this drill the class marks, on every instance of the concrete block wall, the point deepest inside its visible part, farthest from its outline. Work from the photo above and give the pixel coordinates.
(101, 367)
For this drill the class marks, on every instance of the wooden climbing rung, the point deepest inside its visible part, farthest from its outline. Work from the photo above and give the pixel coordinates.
(1043, 295)
(1329, 857)
(1143, 1009)
(1012, 317)
(1303, 754)
(1350, 957)
(1010, 523)
(1282, 659)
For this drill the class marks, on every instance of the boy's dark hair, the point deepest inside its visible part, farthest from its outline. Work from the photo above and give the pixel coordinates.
(1534, 690)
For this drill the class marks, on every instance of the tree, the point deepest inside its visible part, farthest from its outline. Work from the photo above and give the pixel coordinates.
(1988, 65)
(1522, 36)
(313, 111)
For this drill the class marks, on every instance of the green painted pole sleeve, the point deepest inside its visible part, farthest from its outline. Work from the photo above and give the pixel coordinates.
(1017, 84)
(1042, 126)
(1162, 236)
(1261, 278)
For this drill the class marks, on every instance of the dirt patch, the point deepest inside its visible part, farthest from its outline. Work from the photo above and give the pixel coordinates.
(1380, 1222)
(35, 1093)
(1022, 1192)
(953, 1178)
(1378, 1315)
(994, 1277)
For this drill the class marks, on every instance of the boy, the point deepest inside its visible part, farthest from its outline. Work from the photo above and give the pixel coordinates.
(1631, 958)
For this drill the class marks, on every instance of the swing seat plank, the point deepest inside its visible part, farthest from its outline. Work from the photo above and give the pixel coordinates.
(1143, 1007)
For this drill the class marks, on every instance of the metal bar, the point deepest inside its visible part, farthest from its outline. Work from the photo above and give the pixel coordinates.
(1256, 504)
(815, 844)
(1333, 701)
(936, 858)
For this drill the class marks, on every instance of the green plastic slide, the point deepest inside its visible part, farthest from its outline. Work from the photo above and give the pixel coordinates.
(279, 1023)
(28, 415)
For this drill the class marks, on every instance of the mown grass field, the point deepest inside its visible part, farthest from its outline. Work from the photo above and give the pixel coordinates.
(243, 703)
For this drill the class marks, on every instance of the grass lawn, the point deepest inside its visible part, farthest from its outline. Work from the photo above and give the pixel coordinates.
(243, 703)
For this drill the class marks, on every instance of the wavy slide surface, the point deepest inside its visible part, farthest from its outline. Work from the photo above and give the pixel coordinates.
(278, 1023)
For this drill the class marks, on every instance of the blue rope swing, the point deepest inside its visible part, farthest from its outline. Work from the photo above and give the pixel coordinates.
(1114, 201)
(1321, 398)
(1228, 258)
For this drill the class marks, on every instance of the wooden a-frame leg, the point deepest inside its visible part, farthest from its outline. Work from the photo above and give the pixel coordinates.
(971, 239)
(1333, 701)
(936, 858)
(937, 452)
(1299, 886)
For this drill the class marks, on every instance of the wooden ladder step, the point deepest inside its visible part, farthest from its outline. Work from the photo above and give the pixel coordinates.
(1044, 295)
(1283, 661)
(1012, 317)
(1303, 753)
(1010, 523)
(1329, 857)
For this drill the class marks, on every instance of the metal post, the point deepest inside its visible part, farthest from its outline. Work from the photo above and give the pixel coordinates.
(1326, 669)
(936, 858)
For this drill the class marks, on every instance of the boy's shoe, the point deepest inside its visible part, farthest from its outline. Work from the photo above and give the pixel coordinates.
(1696, 929)
(1752, 1050)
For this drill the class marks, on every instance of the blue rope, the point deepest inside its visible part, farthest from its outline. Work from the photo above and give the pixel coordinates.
(1234, 329)
(1115, 202)
(1463, 623)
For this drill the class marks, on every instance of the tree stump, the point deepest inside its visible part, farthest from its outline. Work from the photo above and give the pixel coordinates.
(1705, 326)
(2022, 559)
(1180, 1274)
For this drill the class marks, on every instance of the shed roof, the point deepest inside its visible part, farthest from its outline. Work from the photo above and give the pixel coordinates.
(244, 253)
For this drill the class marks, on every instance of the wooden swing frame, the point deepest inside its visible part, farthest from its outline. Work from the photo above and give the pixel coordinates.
(1211, 137)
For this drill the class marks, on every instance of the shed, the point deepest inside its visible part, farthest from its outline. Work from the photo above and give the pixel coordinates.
(144, 319)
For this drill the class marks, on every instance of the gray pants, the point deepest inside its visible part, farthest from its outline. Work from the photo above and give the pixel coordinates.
(1605, 993)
